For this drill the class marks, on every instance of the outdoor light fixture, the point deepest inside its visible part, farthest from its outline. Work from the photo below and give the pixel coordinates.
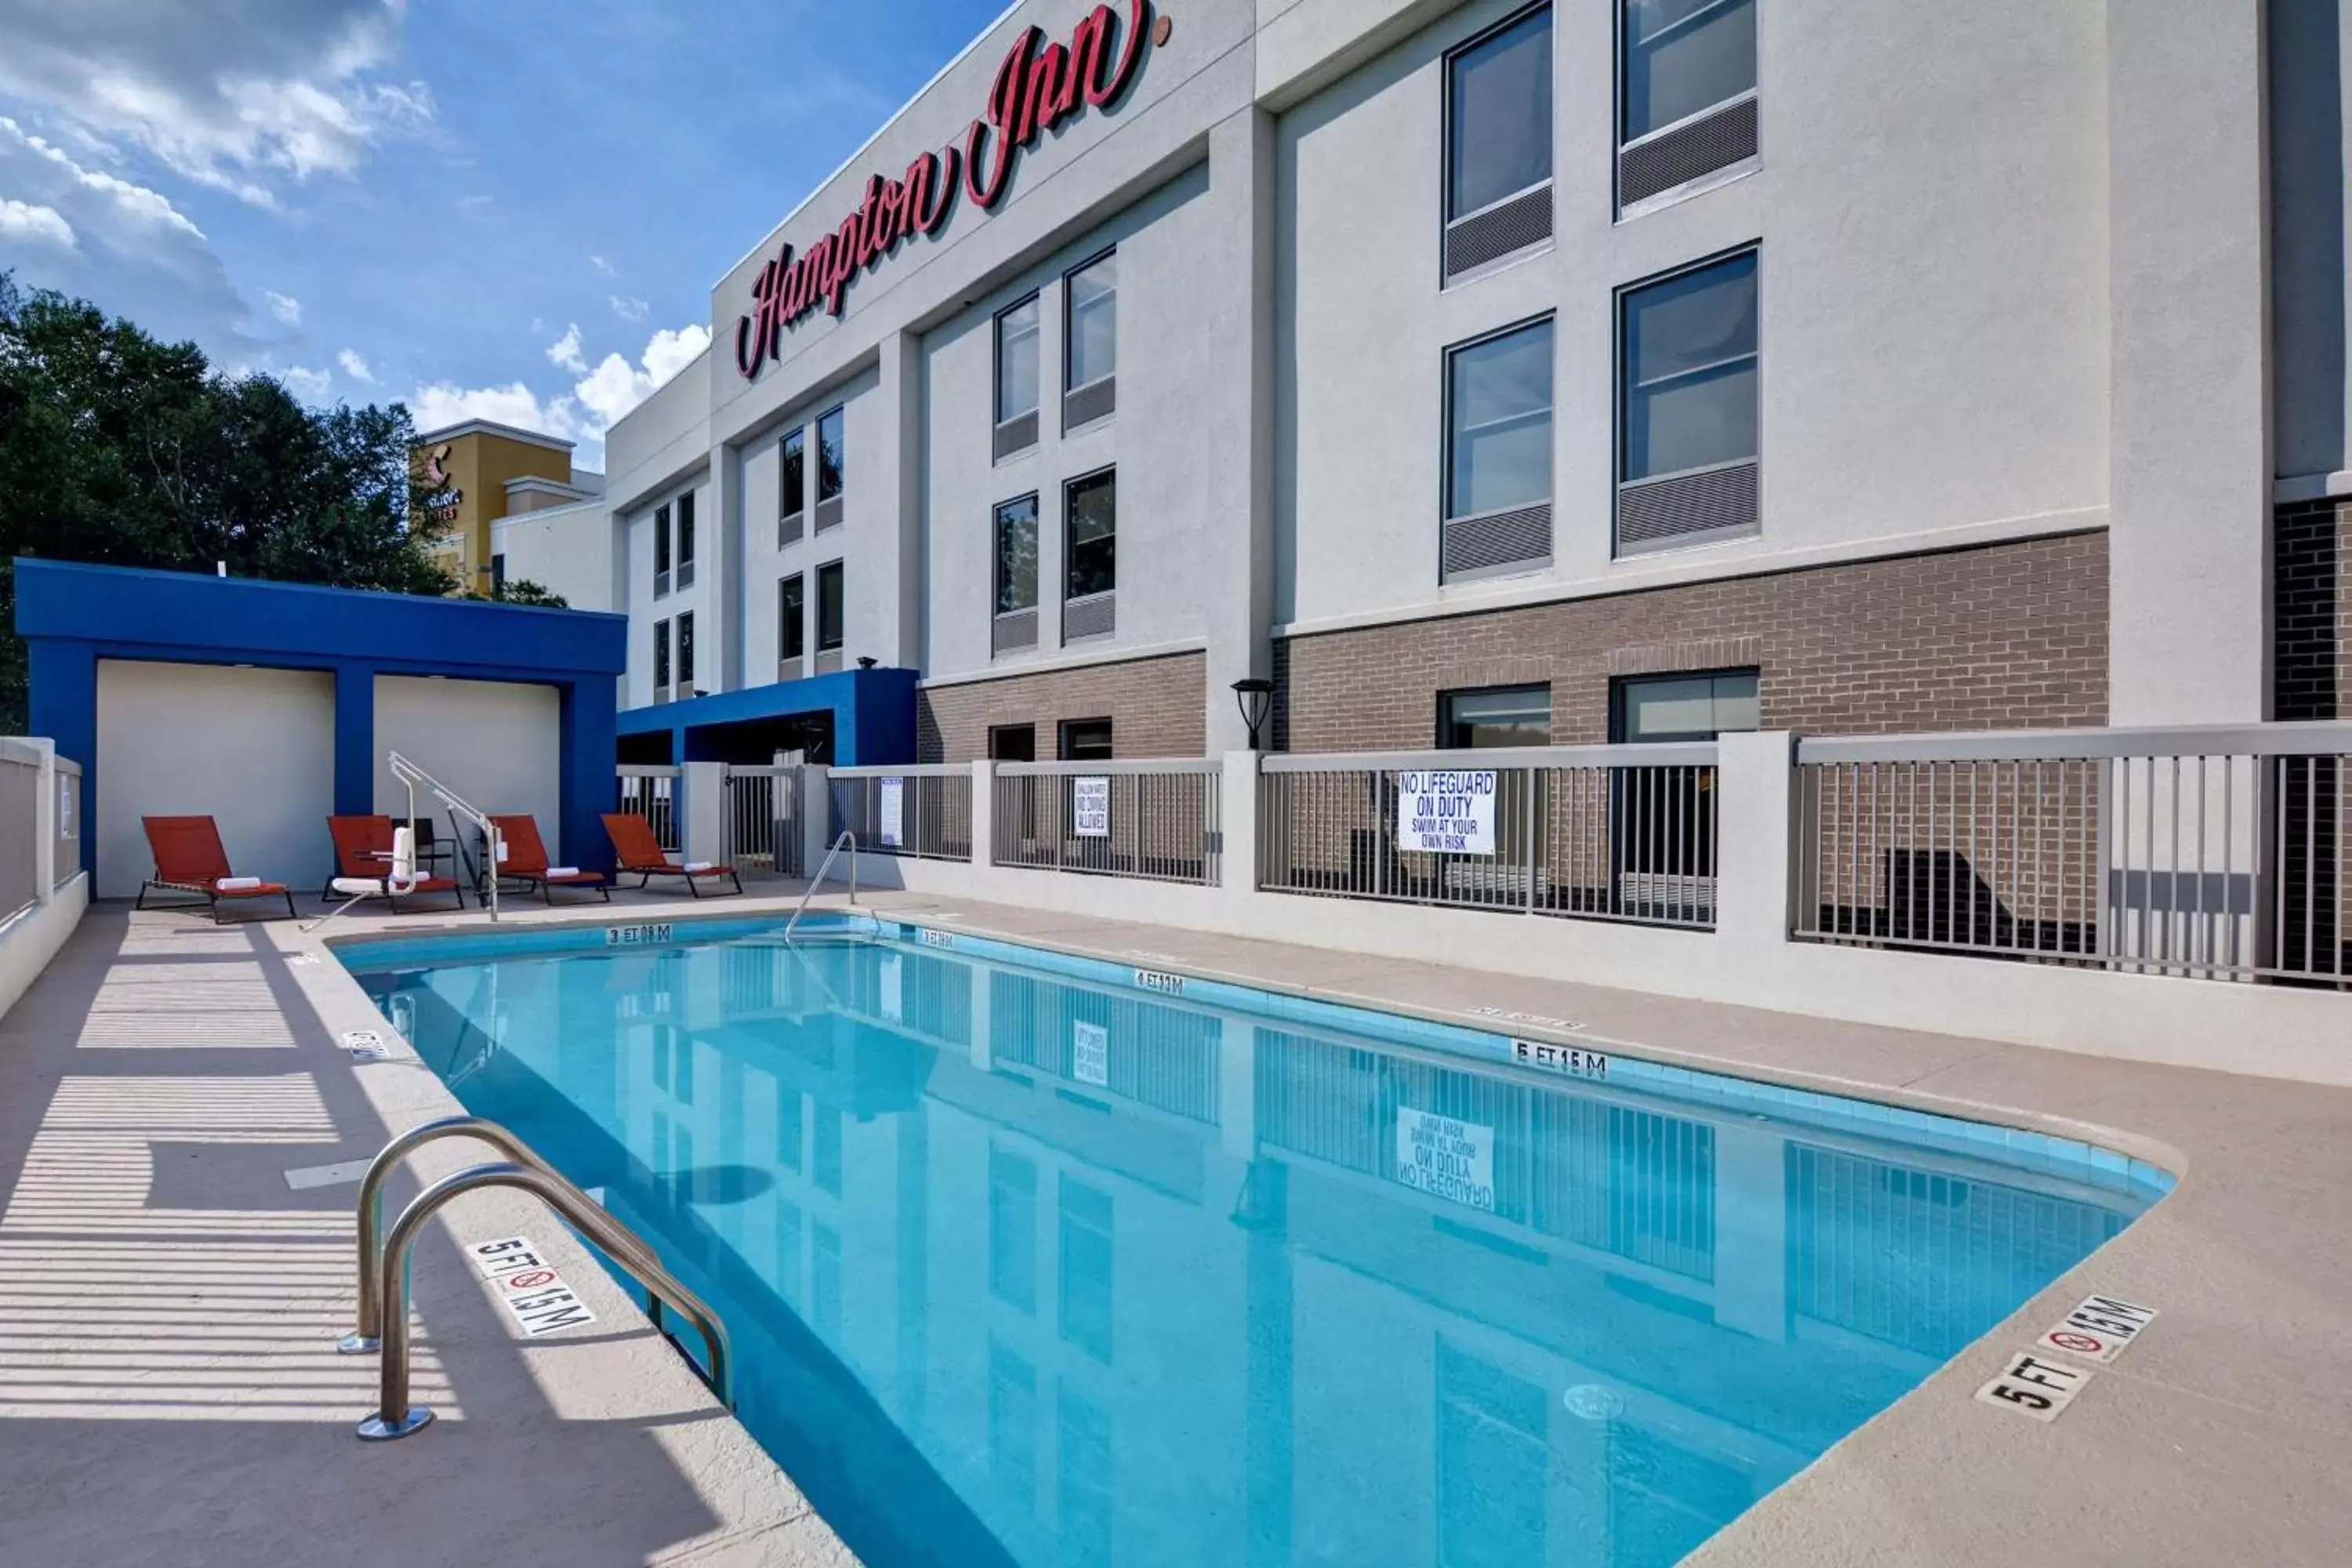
(1254, 695)
(867, 661)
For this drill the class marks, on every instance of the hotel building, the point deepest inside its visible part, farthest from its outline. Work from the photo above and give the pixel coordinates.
(1485, 372)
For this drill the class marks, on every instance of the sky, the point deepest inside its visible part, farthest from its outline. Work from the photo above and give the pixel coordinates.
(502, 209)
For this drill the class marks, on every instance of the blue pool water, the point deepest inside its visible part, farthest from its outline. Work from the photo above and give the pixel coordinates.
(1028, 1263)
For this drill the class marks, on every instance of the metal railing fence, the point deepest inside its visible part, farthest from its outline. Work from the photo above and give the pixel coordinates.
(1155, 819)
(20, 825)
(763, 819)
(923, 810)
(2213, 853)
(651, 792)
(1610, 832)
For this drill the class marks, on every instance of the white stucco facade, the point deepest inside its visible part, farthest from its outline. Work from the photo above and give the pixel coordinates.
(2023, 270)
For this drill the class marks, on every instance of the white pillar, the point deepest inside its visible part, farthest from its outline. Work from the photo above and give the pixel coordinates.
(45, 825)
(702, 830)
(983, 812)
(2189, 467)
(816, 816)
(1754, 831)
(1237, 821)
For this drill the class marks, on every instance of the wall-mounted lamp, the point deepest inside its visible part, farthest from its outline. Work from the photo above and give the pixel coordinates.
(1255, 696)
(867, 661)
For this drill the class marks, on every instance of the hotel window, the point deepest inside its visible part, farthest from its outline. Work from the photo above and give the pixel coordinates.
(661, 661)
(1090, 556)
(829, 611)
(1017, 378)
(1012, 742)
(1085, 740)
(497, 575)
(792, 486)
(829, 460)
(1498, 132)
(1686, 415)
(1016, 624)
(792, 625)
(1686, 95)
(1494, 716)
(686, 654)
(1655, 708)
(1498, 456)
(1664, 839)
(1091, 342)
(661, 550)
(683, 575)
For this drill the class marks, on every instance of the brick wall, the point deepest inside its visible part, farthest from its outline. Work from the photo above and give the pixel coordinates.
(2004, 637)
(2313, 611)
(1155, 707)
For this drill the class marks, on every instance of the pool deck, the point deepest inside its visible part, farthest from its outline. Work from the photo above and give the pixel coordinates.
(168, 1392)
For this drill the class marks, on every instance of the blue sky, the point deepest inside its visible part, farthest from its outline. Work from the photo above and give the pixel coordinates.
(422, 199)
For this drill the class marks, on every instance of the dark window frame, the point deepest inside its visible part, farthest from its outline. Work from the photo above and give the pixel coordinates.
(1447, 216)
(1621, 43)
(1069, 554)
(685, 657)
(661, 654)
(997, 752)
(683, 529)
(996, 393)
(832, 571)
(1621, 400)
(1067, 730)
(1070, 382)
(791, 452)
(1034, 500)
(791, 606)
(1445, 723)
(1621, 688)
(1548, 319)
(840, 462)
(661, 541)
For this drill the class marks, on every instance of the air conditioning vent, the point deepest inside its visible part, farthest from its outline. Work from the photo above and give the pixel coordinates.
(1687, 152)
(1497, 543)
(661, 584)
(684, 578)
(1094, 400)
(1686, 509)
(789, 528)
(829, 662)
(1013, 631)
(1504, 229)
(1093, 616)
(788, 669)
(1017, 434)
(828, 514)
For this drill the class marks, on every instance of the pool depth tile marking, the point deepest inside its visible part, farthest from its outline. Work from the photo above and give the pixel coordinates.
(2100, 1330)
(1570, 1061)
(528, 1285)
(2032, 1386)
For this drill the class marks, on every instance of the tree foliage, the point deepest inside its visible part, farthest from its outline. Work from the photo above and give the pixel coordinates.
(523, 591)
(117, 449)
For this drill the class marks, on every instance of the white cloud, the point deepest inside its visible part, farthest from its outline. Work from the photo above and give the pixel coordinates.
(602, 266)
(22, 223)
(615, 386)
(136, 203)
(354, 367)
(630, 309)
(285, 307)
(446, 403)
(226, 95)
(309, 386)
(564, 352)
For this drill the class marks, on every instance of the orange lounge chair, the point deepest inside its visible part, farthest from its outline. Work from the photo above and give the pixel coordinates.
(364, 854)
(636, 850)
(526, 862)
(189, 859)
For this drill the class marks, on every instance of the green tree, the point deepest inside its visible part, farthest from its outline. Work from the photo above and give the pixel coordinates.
(523, 591)
(117, 449)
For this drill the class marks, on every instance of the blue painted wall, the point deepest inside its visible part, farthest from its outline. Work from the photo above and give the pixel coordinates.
(873, 716)
(71, 616)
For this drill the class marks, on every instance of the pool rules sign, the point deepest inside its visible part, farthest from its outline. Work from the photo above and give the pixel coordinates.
(1446, 812)
(1445, 1158)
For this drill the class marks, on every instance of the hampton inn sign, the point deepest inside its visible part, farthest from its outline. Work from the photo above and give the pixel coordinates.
(1036, 89)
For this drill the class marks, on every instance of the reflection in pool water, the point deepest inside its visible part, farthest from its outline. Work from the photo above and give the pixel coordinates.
(1027, 1271)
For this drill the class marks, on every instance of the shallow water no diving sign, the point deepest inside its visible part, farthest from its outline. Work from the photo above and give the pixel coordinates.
(532, 1291)
(2099, 1330)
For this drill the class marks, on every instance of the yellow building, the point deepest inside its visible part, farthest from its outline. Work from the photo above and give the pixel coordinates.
(478, 472)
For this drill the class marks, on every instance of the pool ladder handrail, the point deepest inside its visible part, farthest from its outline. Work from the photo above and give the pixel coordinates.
(383, 1271)
(817, 881)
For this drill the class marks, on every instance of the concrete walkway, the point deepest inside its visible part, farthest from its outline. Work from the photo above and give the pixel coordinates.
(168, 1392)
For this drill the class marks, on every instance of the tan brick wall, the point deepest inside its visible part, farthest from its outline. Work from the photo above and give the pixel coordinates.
(1155, 707)
(2313, 595)
(2010, 636)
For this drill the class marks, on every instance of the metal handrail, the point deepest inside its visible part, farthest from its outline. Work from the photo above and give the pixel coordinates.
(818, 880)
(394, 1416)
(411, 776)
(365, 1339)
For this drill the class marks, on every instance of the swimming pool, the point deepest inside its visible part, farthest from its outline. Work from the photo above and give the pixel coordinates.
(1029, 1260)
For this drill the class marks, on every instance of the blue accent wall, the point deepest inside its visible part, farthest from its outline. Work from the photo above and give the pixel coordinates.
(71, 616)
(873, 716)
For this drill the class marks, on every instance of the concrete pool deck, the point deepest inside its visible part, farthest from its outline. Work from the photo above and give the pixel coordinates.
(168, 1392)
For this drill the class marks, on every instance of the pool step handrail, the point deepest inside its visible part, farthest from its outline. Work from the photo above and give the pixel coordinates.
(409, 773)
(385, 1274)
(817, 881)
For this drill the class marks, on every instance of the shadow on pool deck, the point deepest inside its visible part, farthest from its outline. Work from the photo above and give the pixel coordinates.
(169, 1390)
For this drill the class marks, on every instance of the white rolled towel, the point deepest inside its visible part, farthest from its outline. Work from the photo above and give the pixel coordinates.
(696, 866)
(236, 884)
(563, 870)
